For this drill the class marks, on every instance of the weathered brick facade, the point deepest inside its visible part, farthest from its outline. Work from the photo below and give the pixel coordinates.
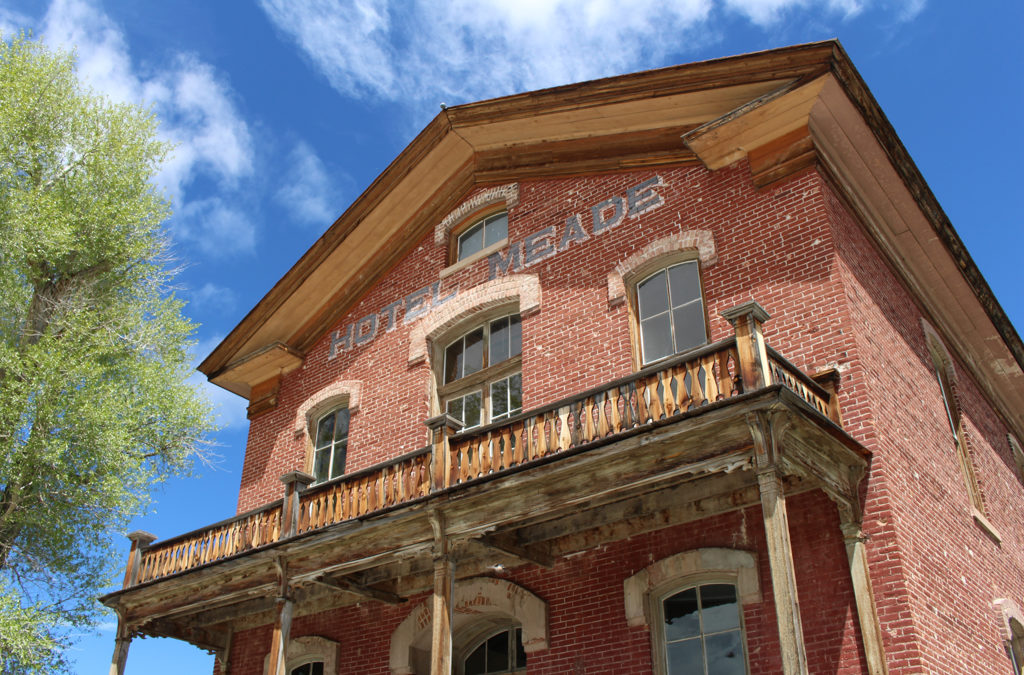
(898, 575)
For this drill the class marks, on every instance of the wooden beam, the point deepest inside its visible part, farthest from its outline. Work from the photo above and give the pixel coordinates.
(121, 644)
(349, 586)
(863, 594)
(780, 548)
(444, 575)
(282, 624)
(531, 554)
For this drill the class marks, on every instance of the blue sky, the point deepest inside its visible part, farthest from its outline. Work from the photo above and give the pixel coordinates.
(284, 110)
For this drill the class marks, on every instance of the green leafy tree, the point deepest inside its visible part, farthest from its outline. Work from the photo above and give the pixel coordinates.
(94, 403)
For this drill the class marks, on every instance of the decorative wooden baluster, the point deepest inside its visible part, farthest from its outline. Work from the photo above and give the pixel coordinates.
(615, 418)
(668, 397)
(516, 439)
(712, 390)
(540, 445)
(564, 435)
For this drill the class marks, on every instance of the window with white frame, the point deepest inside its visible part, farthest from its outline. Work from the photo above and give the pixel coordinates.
(330, 444)
(701, 631)
(481, 379)
(670, 311)
(483, 233)
(501, 652)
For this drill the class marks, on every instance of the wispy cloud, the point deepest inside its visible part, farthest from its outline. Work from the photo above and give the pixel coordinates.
(215, 299)
(195, 106)
(11, 23)
(465, 50)
(215, 226)
(309, 194)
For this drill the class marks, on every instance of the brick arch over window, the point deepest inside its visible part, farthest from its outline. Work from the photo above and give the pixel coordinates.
(502, 193)
(473, 600)
(700, 240)
(524, 288)
(698, 563)
(342, 393)
(306, 649)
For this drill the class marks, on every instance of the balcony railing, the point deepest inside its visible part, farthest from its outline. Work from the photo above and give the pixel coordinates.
(628, 405)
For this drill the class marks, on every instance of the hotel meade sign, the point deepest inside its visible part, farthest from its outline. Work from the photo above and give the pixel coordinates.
(550, 241)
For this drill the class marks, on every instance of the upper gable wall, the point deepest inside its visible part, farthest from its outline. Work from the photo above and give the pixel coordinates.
(772, 246)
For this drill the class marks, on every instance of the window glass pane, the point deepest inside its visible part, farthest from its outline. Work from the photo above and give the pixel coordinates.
(321, 464)
(497, 653)
(515, 336)
(719, 608)
(652, 295)
(473, 359)
(317, 668)
(688, 325)
(304, 670)
(341, 424)
(684, 282)
(472, 406)
(656, 335)
(455, 408)
(725, 653)
(471, 241)
(499, 341)
(681, 616)
(515, 394)
(496, 229)
(338, 465)
(499, 399)
(453, 361)
(476, 663)
(685, 658)
(520, 650)
(325, 431)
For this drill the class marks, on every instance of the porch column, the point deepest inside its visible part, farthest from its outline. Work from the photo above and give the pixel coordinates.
(780, 558)
(867, 614)
(746, 320)
(121, 644)
(282, 624)
(444, 573)
(441, 427)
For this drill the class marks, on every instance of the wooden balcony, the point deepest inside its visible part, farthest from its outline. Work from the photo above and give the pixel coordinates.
(687, 438)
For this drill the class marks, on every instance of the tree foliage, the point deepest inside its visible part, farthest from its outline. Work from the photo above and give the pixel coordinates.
(94, 403)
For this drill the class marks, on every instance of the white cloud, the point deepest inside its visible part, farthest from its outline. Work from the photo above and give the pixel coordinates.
(194, 105)
(215, 226)
(308, 193)
(463, 50)
(12, 23)
(214, 298)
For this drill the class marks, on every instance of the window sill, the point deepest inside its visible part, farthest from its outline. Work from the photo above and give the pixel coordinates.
(479, 255)
(986, 526)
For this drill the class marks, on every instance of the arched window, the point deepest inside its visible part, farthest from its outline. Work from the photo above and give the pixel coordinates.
(670, 311)
(946, 376)
(311, 668)
(330, 444)
(482, 234)
(702, 631)
(481, 379)
(500, 652)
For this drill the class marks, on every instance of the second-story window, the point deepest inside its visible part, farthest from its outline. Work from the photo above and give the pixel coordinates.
(670, 311)
(482, 380)
(331, 445)
(481, 234)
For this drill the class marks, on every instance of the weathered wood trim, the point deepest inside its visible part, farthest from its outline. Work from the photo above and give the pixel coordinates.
(441, 619)
(863, 594)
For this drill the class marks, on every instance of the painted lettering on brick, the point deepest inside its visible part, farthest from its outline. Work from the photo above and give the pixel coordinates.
(604, 216)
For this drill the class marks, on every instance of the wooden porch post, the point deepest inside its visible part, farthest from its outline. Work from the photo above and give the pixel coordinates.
(441, 427)
(867, 614)
(294, 482)
(140, 542)
(444, 573)
(780, 548)
(746, 320)
(282, 624)
(121, 644)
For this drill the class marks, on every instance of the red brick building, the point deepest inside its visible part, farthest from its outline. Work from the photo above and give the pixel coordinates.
(680, 371)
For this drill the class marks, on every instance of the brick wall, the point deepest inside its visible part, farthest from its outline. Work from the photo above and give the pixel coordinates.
(834, 302)
(587, 626)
